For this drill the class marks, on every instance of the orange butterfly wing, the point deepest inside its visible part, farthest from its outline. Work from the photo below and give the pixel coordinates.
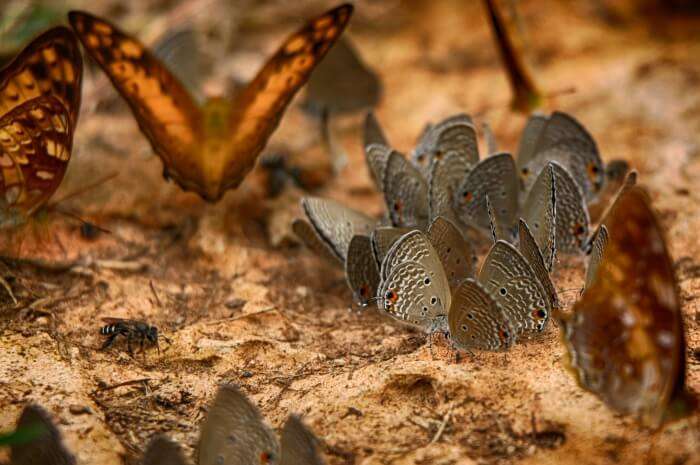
(50, 65)
(163, 108)
(35, 146)
(258, 108)
(625, 337)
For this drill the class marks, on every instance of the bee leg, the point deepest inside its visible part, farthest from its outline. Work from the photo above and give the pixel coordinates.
(128, 345)
(109, 341)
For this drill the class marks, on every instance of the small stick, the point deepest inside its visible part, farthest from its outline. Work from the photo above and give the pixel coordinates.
(443, 425)
(7, 287)
(240, 317)
(155, 294)
(125, 383)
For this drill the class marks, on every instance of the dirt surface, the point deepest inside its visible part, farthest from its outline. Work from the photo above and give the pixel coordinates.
(373, 391)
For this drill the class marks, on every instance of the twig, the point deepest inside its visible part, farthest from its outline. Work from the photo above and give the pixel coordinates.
(7, 287)
(125, 383)
(240, 317)
(155, 294)
(443, 425)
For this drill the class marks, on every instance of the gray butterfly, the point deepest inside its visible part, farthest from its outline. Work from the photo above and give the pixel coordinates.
(414, 287)
(455, 252)
(336, 224)
(528, 140)
(509, 279)
(45, 446)
(455, 134)
(539, 213)
(446, 173)
(234, 433)
(377, 157)
(571, 212)
(531, 251)
(342, 83)
(477, 321)
(618, 176)
(361, 270)
(373, 132)
(491, 144)
(565, 140)
(383, 238)
(597, 250)
(163, 451)
(405, 193)
(308, 236)
(496, 178)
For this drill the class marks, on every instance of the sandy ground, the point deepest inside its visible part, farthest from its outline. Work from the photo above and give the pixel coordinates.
(371, 389)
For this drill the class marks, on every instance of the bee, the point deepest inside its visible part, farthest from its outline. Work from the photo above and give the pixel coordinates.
(132, 330)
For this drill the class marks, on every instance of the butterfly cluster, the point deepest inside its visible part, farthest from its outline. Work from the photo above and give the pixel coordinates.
(233, 432)
(419, 267)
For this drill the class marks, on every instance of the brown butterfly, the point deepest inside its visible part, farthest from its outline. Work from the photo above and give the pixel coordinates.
(212, 148)
(39, 105)
(625, 337)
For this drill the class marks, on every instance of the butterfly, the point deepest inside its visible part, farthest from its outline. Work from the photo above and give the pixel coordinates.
(234, 432)
(625, 338)
(207, 149)
(39, 107)
(43, 445)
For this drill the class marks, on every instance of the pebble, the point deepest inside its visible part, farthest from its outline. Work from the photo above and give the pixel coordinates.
(76, 409)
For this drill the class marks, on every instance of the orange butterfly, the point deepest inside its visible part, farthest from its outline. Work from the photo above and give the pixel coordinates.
(39, 105)
(209, 149)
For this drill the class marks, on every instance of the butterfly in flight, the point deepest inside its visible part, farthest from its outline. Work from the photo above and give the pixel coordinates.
(207, 149)
(39, 105)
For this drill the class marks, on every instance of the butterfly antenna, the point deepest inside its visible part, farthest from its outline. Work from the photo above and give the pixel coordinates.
(87, 188)
(82, 221)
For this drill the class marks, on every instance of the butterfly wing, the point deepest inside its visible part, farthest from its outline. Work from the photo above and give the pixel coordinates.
(164, 110)
(444, 178)
(234, 432)
(494, 176)
(372, 131)
(531, 251)
(476, 320)
(299, 445)
(456, 254)
(361, 269)
(257, 110)
(572, 220)
(625, 336)
(528, 140)
(597, 250)
(405, 193)
(508, 278)
(377, 157)
(46, 447)
(383, 238)
(336, 224)
(50, 65)
(539, 213)
(455, 135)
(36, 138)
(163, 451)
(307, 234)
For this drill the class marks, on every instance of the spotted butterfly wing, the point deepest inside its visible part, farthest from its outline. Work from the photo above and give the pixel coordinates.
(45, 447)
(377, 157)
(477, 321)
(414, 287)
(163, 451)
(539, 214)
(361, 269)
(405, 193)
(372, 131)
(50, 65)
(310, 238)
(298, 444)
(211, 149)
(528, 140)
(625, 337)
(597, 250)
(508, 278)
(235, 433)
(455, 135)
(36, 138)
(446, 173)
(531, 251)
(455, 252)
(383, 238)
(571, 219)
(336, 224)
(496, 178)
